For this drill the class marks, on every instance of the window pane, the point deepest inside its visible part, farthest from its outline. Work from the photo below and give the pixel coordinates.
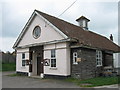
(53, 62)
(23, 59)
(54, 65)
(52, 53)
(74, 54)
(97, 63)
(23, 55)
(36, 31)
(23, 62)
(74, 57)
(98, 57)
(53, 58)
(84, 23)
(97, 60)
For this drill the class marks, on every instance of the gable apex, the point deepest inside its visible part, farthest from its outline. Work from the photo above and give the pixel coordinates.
(28, 23)
(49, 23)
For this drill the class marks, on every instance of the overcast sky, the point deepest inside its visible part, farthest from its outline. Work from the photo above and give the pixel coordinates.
(103, 16)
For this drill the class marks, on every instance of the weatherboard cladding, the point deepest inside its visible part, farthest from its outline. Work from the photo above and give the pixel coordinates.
(85, 38)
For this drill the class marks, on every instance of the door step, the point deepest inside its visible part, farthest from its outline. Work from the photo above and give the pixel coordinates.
(35, 77)
(41, 76)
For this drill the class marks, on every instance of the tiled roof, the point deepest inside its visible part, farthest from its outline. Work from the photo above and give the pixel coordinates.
(86, 38)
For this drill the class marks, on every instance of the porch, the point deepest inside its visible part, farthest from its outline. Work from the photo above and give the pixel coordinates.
(36, 61)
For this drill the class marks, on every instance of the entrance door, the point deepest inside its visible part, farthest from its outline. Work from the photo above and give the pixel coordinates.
(39, 65)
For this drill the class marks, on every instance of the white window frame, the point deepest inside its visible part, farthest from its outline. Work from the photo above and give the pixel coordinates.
(75, 56)
(53, 58)
(36, 32)
(23, 59)
(98, 58)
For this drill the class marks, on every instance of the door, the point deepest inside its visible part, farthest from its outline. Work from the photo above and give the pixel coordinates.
(30, 61)
(39, 65)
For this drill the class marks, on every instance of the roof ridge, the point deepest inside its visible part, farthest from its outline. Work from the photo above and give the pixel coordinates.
(72, 24)
(98, 34)
(103, 37)
(58, 18)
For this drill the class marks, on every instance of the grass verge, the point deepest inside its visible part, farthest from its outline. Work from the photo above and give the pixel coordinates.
(93, 82)
(8, 66)
(15, 74)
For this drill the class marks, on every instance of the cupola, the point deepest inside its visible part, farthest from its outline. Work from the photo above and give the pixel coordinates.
(83, 22)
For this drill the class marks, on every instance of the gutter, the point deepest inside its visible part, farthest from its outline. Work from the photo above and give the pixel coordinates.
(94, 48)
(47, 43)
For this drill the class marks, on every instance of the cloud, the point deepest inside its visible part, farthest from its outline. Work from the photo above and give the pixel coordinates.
(0, 19)
(6, 43)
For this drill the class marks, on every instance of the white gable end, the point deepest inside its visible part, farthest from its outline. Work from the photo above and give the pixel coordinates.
(47, 33)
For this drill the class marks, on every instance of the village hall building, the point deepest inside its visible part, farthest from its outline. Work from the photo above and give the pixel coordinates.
(49, 46)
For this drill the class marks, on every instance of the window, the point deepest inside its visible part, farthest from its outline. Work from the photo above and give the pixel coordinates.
(23, 59)
(53, 58)
(36, 32)
(84, 23)
(75, 58)
(99, 58)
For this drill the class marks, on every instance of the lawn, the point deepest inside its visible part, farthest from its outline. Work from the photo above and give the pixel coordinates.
(98, 81)
(15, 75)
(8, 66)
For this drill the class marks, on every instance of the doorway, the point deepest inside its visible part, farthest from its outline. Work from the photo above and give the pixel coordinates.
(37, 60)
(39, 65)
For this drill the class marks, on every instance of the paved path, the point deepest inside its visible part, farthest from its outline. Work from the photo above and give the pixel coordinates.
(26, 82)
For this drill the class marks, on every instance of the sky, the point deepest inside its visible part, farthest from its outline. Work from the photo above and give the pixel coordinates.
(103, 15)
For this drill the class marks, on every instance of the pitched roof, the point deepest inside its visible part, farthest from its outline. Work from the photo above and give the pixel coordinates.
(86, 38)
(81, 18)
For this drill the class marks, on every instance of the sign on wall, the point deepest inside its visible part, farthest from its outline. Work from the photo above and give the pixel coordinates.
(47, 62)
